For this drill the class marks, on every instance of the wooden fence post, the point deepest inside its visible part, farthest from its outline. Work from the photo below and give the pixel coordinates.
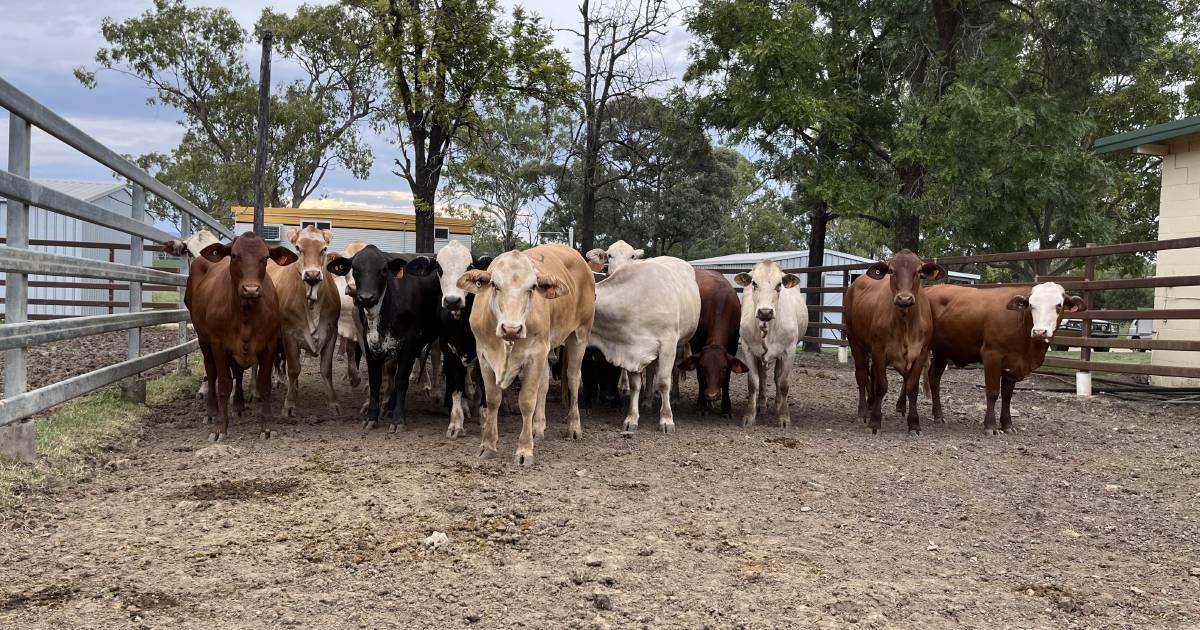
(17, 440)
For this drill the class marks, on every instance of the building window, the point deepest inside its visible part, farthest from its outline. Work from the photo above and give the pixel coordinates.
(320, 224)
(441, 233)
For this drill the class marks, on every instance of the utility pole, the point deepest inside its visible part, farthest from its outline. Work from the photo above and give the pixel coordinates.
(264, 116)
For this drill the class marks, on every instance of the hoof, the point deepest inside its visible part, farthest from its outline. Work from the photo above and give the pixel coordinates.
(629, 427)
(785, 423)
(487, 453)
(991, 432)
(266, 435)
(574, 434)
(874, 431)
(939, 419)
(747, 422)
(216, 437)
(367, 425)
(397, 427)
(914, 433)
(455, 432)
(289, 412)
(668, 428)
(539, 434)
(335, 409)
(523, 460)
(1010, 430)
(209, 419)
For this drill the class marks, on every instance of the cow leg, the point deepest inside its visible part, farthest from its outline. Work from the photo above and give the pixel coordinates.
(992, 381)
(1006, 392)
(488, 430)
(375, 369)
(539, 411)
(397, 405)
(862, 376)
(389, 386)
(209, 386)
(435, 359)
(239, 397)
(291, 362)
(902, 402)
(635, 391)
(783, 369)
(224, 387)
(936, 369)
(912, 387)
(666, 367)
(879, 387)
(753, 384)
(265, 357)
(726, 404)
(456, 377)
(535, 378)
(327, 352)
(576, 346)
(349, 348)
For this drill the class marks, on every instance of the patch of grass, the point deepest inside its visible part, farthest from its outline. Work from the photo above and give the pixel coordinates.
(1139, 358)
(164, 297)
(79, 431)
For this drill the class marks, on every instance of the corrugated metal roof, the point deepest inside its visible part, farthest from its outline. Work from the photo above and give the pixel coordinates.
(87, 191)
(1148, 135)
(748, 259)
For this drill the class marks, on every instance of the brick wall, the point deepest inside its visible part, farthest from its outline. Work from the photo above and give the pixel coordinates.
(1179, 208)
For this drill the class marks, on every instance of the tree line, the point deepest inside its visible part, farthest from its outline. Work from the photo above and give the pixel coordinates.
(941, 126)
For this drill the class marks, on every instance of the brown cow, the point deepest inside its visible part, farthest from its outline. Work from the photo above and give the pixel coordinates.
(715, 341)
(309, 308)
(1007, 329)
(889, 324)
(236, 316)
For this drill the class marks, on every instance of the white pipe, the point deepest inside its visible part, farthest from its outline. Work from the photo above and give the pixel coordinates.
(1083, 383)
(843, 354)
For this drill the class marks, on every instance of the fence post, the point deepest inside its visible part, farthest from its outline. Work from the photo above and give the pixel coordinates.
(844, 351)
(185, 230)
(1083, 378)
(17, 440)
(134, 389)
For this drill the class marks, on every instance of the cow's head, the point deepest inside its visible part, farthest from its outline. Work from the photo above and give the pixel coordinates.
(311, 243)
(451, 263)
(248, 255)
(763, 285)
(715, 363)
(906, 271)
(190, 246)
(508, 287)
(616, 256)
(371, 270)
(1046, 304)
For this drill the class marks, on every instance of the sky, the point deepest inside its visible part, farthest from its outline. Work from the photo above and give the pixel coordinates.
(43, 41)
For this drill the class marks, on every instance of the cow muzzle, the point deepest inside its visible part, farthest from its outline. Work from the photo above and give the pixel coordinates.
(905, 300)
(454, 304)
(365, 300)
(712, 396)
(312, 277)
(766, 314)
(1040, 334)
(511, 331)
(250, 291)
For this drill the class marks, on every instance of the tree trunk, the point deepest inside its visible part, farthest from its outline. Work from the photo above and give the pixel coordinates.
(423, 198)
(587, 205)
(818, 219)
(907, 229)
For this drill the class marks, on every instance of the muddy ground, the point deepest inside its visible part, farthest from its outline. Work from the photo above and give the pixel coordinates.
(1089, 517)
(53, 362)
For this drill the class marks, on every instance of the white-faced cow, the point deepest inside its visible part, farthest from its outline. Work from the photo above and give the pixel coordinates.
(349, 329)
(1006, 329)
(772, 319)
(525, 304)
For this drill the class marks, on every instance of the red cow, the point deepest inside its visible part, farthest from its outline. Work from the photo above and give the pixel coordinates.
(236, 315)
(889, 323)
(716, 339)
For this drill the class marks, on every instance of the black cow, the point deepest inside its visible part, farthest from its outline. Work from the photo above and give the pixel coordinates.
(599, 381)
(399, 315)
(457, 341)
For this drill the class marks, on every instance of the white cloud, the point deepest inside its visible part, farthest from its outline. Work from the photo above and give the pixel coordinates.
(329, 203)
(395, 195)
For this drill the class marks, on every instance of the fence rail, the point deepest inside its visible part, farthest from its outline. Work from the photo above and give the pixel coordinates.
(1086, 285)
(20, 329)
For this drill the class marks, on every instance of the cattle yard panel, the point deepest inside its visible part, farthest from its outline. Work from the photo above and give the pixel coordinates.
(1085, 285)
(18, 262)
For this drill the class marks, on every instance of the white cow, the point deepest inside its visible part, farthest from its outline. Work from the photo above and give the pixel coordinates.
(773, 318)
(645, 310)
(349, 329)
(616, 256)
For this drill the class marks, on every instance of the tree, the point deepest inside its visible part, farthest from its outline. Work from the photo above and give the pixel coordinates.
(617, 39)
(192, 59)
(446, 61)
(507, 162)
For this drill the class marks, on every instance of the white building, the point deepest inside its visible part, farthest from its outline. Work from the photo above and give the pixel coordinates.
(795, 259)
(389, 231)
(44, 225)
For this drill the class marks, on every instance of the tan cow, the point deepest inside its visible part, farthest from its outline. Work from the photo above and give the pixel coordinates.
(349, 329)
(527, 303)
(309, 307)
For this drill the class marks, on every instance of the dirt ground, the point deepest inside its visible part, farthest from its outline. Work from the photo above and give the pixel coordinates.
(53, 362)
(1089, 517)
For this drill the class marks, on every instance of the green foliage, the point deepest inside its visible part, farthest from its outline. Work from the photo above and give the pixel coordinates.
(192, 60)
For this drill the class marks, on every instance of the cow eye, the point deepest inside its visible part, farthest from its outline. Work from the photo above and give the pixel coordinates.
(779, 286)
(1058, 307)
(753, 284)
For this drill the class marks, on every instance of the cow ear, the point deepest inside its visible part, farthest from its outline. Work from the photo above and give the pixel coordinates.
(215, 252)
(878, 270)
(421, 266)
(339, 266)
(396, 265)
(689, 364)
(1018, 303)
(736, 365)
(175, 247)
(282, 256)
(328, 236)
(933, 271)
(331, 256)
(1075, 304)
(550, 287)
(473, 280)
(481, 263)
(293, 235)
(637, 253)
(743, 279)
(790, 280)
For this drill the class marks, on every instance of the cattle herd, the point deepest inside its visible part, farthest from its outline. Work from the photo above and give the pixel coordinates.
(609, 323)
